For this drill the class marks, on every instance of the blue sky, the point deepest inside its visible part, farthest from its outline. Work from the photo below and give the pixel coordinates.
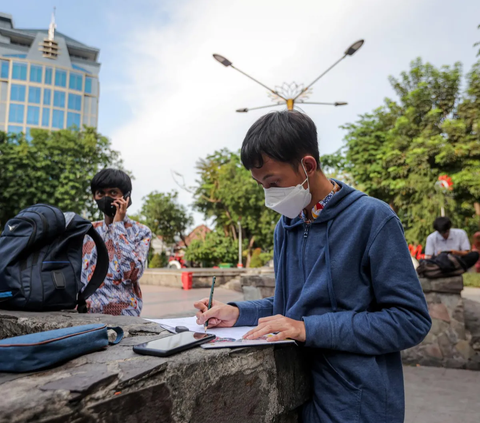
(165, 102)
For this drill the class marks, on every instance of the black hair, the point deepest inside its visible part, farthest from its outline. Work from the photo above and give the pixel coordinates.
(442, 224)
(111, 178)
(285, 136)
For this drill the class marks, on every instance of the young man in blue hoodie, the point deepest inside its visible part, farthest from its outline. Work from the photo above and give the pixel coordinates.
(345, 285)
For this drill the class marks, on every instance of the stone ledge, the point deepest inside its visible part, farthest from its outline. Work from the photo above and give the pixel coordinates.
(247, 385)
(454, 339)
(453, 285)
(256, 287)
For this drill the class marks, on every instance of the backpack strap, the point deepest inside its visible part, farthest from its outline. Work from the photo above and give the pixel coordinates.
(100, 272)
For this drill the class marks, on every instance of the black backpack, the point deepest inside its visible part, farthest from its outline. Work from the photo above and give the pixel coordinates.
(41, 260)
(442, 266)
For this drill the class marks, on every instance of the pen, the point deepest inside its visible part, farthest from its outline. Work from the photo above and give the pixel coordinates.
(210, 300)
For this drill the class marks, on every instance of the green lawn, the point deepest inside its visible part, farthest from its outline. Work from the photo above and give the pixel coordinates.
(471, 279)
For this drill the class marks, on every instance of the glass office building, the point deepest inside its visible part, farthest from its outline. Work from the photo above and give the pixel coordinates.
(47, 80)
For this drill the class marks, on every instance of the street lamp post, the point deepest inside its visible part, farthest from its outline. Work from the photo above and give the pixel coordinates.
(290, 94)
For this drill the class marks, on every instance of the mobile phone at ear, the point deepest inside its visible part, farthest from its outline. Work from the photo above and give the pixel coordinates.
(173, 344)
(129, 196)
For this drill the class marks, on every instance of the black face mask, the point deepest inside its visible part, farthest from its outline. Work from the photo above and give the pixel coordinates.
(105, 206)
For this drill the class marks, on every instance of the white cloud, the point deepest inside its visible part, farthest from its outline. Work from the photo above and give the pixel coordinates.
(183, 102)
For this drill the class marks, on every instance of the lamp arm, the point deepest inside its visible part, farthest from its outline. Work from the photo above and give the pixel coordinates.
(258, 82)
(323, 104)
(330, 68)
(261, 107)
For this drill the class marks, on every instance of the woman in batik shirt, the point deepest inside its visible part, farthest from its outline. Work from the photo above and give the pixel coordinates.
(127, 243)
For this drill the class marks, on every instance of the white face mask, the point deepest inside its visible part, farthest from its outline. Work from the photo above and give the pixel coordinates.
(289, 201)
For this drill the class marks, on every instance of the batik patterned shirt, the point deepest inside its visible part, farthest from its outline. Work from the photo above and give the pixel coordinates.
(127, 243)
(317, 208)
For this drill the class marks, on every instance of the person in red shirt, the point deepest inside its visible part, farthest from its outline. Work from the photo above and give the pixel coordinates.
(476, 247)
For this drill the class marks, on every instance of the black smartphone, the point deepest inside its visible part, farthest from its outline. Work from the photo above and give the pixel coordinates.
(113, 209)
(173, 344)
(129, 196)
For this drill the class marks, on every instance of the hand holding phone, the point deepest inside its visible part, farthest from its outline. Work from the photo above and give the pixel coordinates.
(173, 344)
(121, 205)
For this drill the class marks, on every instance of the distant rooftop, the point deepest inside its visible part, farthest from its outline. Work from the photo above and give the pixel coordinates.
(27, 36)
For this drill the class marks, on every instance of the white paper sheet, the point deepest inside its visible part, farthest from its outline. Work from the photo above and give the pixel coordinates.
(191, 324)
(226, 337)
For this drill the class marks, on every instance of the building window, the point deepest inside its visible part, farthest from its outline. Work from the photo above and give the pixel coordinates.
(88, 85)
(57, 119)
(46, 117)
(60, 78)
(19, 71)
(48, 76)
(5, 69)
(36, 73)
(13, 129)
(16, 113)
(59, 99)
(73, 119)
(93, 106)
(33, 115)
(76, 81)
(17, 92)
(47, 96)
(74, 102)
(34, 94)
(86, 105)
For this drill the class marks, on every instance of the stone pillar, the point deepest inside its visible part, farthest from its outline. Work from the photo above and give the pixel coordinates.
(448, 344)
(256, 287)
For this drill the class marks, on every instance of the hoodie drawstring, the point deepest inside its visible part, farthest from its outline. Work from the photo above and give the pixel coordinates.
(331, 292)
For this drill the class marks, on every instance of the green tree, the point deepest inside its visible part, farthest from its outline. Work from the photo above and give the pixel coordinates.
(158, 261)
(227, 193)
(165, 216)
(217, 248)
(54, 168)
(397, 152)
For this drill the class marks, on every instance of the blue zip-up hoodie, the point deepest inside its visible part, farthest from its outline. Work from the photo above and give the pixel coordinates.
(349, 277)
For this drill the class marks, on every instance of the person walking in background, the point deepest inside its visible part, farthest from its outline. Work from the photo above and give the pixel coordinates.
(127, 243)
(452, 240)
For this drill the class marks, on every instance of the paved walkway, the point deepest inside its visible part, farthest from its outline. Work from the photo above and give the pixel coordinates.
(437, 395)
(471, 294)
(159, 301)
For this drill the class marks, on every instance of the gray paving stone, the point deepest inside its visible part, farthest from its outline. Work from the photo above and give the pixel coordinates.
(436, 395)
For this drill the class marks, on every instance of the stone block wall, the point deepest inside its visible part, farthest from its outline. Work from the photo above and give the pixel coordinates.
(449, 342)
(255, 385)
(256, 287)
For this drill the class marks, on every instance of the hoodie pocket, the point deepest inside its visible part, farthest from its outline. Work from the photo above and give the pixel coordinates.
(339, 397)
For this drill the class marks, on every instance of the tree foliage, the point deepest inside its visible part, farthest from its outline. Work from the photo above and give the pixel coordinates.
(54, 168)
(397, 152)
(162, 213)
(227, 193)
(215, 249)
(158, 261)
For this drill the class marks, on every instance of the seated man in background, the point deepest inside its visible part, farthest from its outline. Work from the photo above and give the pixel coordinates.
(127, 243)
(448, 239)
